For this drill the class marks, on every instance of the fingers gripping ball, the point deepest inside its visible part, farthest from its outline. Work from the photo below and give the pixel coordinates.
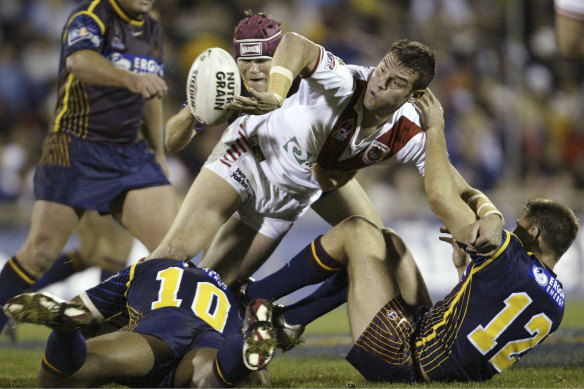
(212, 83)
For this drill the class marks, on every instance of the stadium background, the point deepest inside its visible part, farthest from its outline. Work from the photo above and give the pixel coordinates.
(513, 107)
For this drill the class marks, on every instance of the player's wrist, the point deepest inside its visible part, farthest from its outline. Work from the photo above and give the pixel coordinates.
(281, 80)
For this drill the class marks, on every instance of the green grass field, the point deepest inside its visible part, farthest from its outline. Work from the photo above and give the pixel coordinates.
(319, 362)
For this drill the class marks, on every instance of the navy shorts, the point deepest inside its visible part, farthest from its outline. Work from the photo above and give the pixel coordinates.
(90, 175)
(383, 352)
(182, 332)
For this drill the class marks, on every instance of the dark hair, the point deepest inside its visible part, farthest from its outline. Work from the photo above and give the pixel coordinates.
(558, 224)
(417, 57)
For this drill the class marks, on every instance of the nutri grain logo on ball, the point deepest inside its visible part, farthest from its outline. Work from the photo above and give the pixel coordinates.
(212, 83)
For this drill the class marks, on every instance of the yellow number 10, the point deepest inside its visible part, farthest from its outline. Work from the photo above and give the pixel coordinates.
(213, 314)
(485, 338)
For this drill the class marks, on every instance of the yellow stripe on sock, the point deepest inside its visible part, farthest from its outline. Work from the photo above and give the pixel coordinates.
(313, 247)
(21, 273)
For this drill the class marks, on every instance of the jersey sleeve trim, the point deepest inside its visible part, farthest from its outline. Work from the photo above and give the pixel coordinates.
(320, 57)
(88, 13)
(496, 255)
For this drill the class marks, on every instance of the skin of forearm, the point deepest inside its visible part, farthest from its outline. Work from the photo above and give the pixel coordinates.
(90, 67)
(179, 130)
(441, 189)
(152, 126)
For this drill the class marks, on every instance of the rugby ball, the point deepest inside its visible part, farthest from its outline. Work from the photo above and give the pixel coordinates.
(212, 83)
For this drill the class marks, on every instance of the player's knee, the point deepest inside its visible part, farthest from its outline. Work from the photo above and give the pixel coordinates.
(393, 241)
(356, 226)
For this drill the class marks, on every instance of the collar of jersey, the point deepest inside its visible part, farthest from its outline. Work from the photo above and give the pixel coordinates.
(123, 15)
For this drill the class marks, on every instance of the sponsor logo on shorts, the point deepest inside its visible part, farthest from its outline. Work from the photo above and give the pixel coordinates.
(240, 177)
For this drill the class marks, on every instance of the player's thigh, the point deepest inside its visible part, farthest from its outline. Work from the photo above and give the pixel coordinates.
(148, 213)
(196, 369)
(101, 236)
(348, 200)
(237, 251)
(119, 354)
(51, 227)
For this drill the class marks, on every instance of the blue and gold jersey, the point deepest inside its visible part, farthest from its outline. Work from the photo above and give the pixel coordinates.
(503, 306)
(98, 113)
(164, 283)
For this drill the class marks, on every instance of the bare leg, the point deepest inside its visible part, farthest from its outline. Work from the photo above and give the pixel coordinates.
(112, 356)
(208, 204)
(237, 251)
(348, 200)
(51, 227)
(148, 213)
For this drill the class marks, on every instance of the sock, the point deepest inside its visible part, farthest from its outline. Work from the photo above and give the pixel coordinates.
(65, 353)
(309, 266)
(228, 366)
(66, 265)
(13, 281)
(331, 294)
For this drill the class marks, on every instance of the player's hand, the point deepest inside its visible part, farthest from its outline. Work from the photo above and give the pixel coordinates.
(258, 104)
(329, 179)
(148, 85)
(460, 258)
(431, 111)
(485, 235)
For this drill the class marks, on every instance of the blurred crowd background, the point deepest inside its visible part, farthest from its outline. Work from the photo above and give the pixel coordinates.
(514, 106)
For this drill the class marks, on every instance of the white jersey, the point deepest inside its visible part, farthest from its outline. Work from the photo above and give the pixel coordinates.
(570, 8)
(292, 137)
(267, 159)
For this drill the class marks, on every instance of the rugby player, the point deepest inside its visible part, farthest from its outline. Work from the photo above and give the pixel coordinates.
(110, 89)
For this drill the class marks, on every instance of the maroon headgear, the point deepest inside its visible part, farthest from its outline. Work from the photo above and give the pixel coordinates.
(256, 37)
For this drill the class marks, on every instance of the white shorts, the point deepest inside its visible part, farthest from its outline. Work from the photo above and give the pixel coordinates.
(267, 208)
(570, 8)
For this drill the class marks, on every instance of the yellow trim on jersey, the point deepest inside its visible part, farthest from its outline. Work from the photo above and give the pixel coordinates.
(221, 374)
(462, 290)
(21, 273)
(88, 12)
(52, 367)
(124, 16)
(132, 271)
(64, 108)
(313, 248)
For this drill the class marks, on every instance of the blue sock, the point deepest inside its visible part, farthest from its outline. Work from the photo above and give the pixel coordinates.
(65, 353)
(309, 266)
(331, 294)
(66, 265)
(13, 281)
(228, 366)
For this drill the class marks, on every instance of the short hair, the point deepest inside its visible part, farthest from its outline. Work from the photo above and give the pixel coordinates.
(558, 223)
(417, 57)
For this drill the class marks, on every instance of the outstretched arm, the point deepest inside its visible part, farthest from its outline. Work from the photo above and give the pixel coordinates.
(440, 182)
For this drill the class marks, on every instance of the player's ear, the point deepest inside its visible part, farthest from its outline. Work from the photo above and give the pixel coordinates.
(534, 232)
(415, 95)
